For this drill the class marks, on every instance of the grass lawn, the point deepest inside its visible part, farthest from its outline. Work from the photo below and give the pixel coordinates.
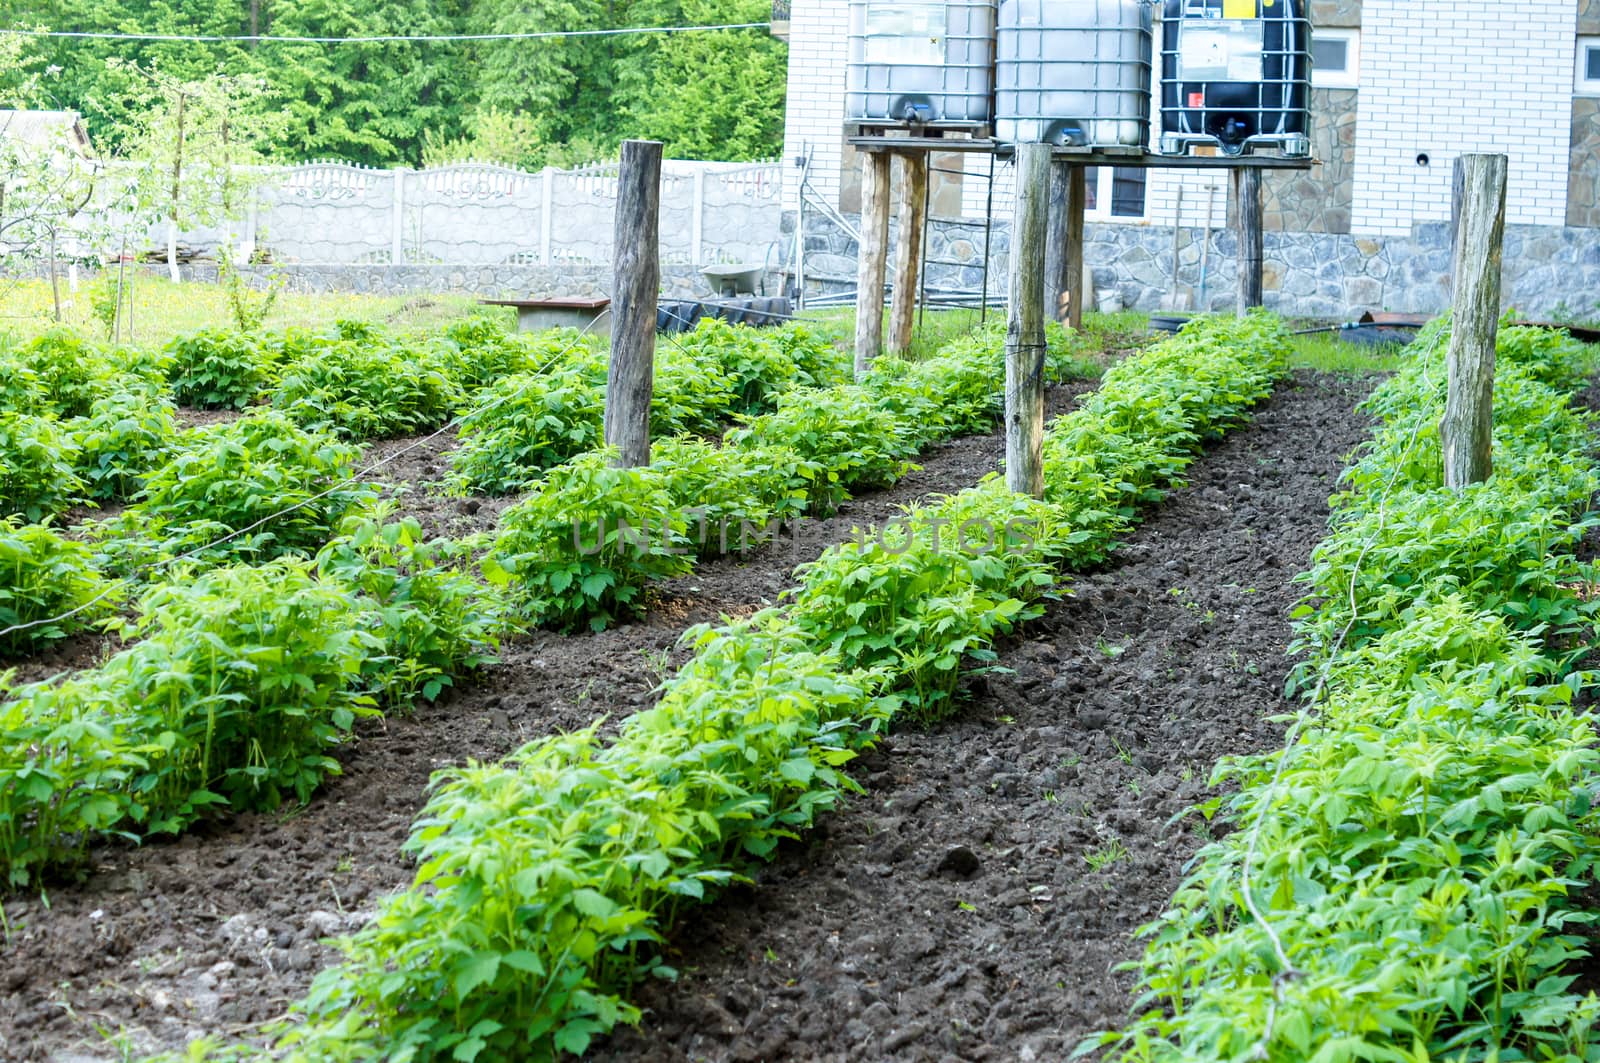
(162, 310)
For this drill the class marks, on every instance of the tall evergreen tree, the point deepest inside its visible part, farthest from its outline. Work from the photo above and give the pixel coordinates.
(714, 95)
(711, 95)
(368, 103)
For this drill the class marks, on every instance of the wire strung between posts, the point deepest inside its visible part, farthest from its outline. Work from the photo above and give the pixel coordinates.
(1287, 971)
(440, 38)
(357, 475)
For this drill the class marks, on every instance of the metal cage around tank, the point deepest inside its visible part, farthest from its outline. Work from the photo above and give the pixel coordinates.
(1073, 72)
(921, 64)
(1236, 74)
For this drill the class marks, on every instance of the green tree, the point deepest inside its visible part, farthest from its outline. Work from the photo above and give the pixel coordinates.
(570, 86)
(493, 136)
(371, 102)
(99, 78)
(196, 141)
(715, 95)
(570, 99)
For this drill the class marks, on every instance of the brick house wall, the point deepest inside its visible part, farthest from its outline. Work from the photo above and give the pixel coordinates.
(1440, 79)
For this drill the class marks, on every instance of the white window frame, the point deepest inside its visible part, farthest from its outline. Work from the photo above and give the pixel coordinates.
(1350, 76)
(1103, 177)
(1584, 85)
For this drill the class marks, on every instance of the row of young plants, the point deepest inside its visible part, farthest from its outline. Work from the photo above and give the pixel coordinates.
(237, 682)
(529, 422)
(590, 538)
(277, 482)
(229, 694)
(192, 715)
(86, 424)
(1414, 857)
(548, 881)
(81, 423)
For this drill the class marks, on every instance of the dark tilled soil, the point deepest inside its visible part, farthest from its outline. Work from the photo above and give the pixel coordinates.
(192, 417)
(952, 912)
(414, 471)
(217, 931)
(85, 649)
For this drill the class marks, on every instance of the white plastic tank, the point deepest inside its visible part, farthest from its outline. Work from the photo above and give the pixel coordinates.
(921, 63)
(1073, 72)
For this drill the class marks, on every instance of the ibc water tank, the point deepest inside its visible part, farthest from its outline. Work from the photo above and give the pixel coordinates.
(1236, 74)
(1073, 72)
(923, 63)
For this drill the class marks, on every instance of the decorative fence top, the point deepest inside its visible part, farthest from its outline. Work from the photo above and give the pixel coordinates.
(484, 213)
(477, 181)
(329, 180)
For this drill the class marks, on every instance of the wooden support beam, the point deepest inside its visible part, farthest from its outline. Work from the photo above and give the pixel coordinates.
(908, 249)
(1055, 244)
(1468, 426)
(871, 256)
(1063, 263)
(1077, 287)
(635, 289)
(1247, 208)
(1025, 346)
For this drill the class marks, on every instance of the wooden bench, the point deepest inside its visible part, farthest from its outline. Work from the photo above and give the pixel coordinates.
(534, 315)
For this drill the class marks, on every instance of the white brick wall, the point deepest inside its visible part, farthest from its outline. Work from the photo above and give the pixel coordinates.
(1443, 77)
(814, 123)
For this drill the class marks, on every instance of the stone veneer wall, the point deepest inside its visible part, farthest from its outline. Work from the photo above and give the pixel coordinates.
(1318, 200)
(1583, 177)
(497, 282)
(1316, 275)
(1336, 14)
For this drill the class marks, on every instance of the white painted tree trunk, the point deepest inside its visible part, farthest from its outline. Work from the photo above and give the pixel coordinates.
(172, 252)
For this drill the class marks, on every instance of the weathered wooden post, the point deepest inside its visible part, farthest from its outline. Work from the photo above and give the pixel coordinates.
(908, 249)
(1025, 347)
(871, 257)
(1055, 241)
(1077, 287)
(1063, 268)
(1468, 425)
(1458, 176)
(634, 294)
(1247, 202)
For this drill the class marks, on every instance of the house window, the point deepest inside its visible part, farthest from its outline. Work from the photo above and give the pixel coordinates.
(1114, 192)
(1589, 66)
(1335, 58)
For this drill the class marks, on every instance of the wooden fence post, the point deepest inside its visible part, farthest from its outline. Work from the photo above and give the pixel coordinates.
(634, 295)
(1468, 425)
(1025, 345)
(1247, 201)
(908, 249)
(874, 250)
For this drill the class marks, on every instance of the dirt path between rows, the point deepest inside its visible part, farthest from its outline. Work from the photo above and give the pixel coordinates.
(217, 931)
(951, 911)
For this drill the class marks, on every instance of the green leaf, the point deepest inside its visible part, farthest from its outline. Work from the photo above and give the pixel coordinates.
(593, 903)
(476, 970)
